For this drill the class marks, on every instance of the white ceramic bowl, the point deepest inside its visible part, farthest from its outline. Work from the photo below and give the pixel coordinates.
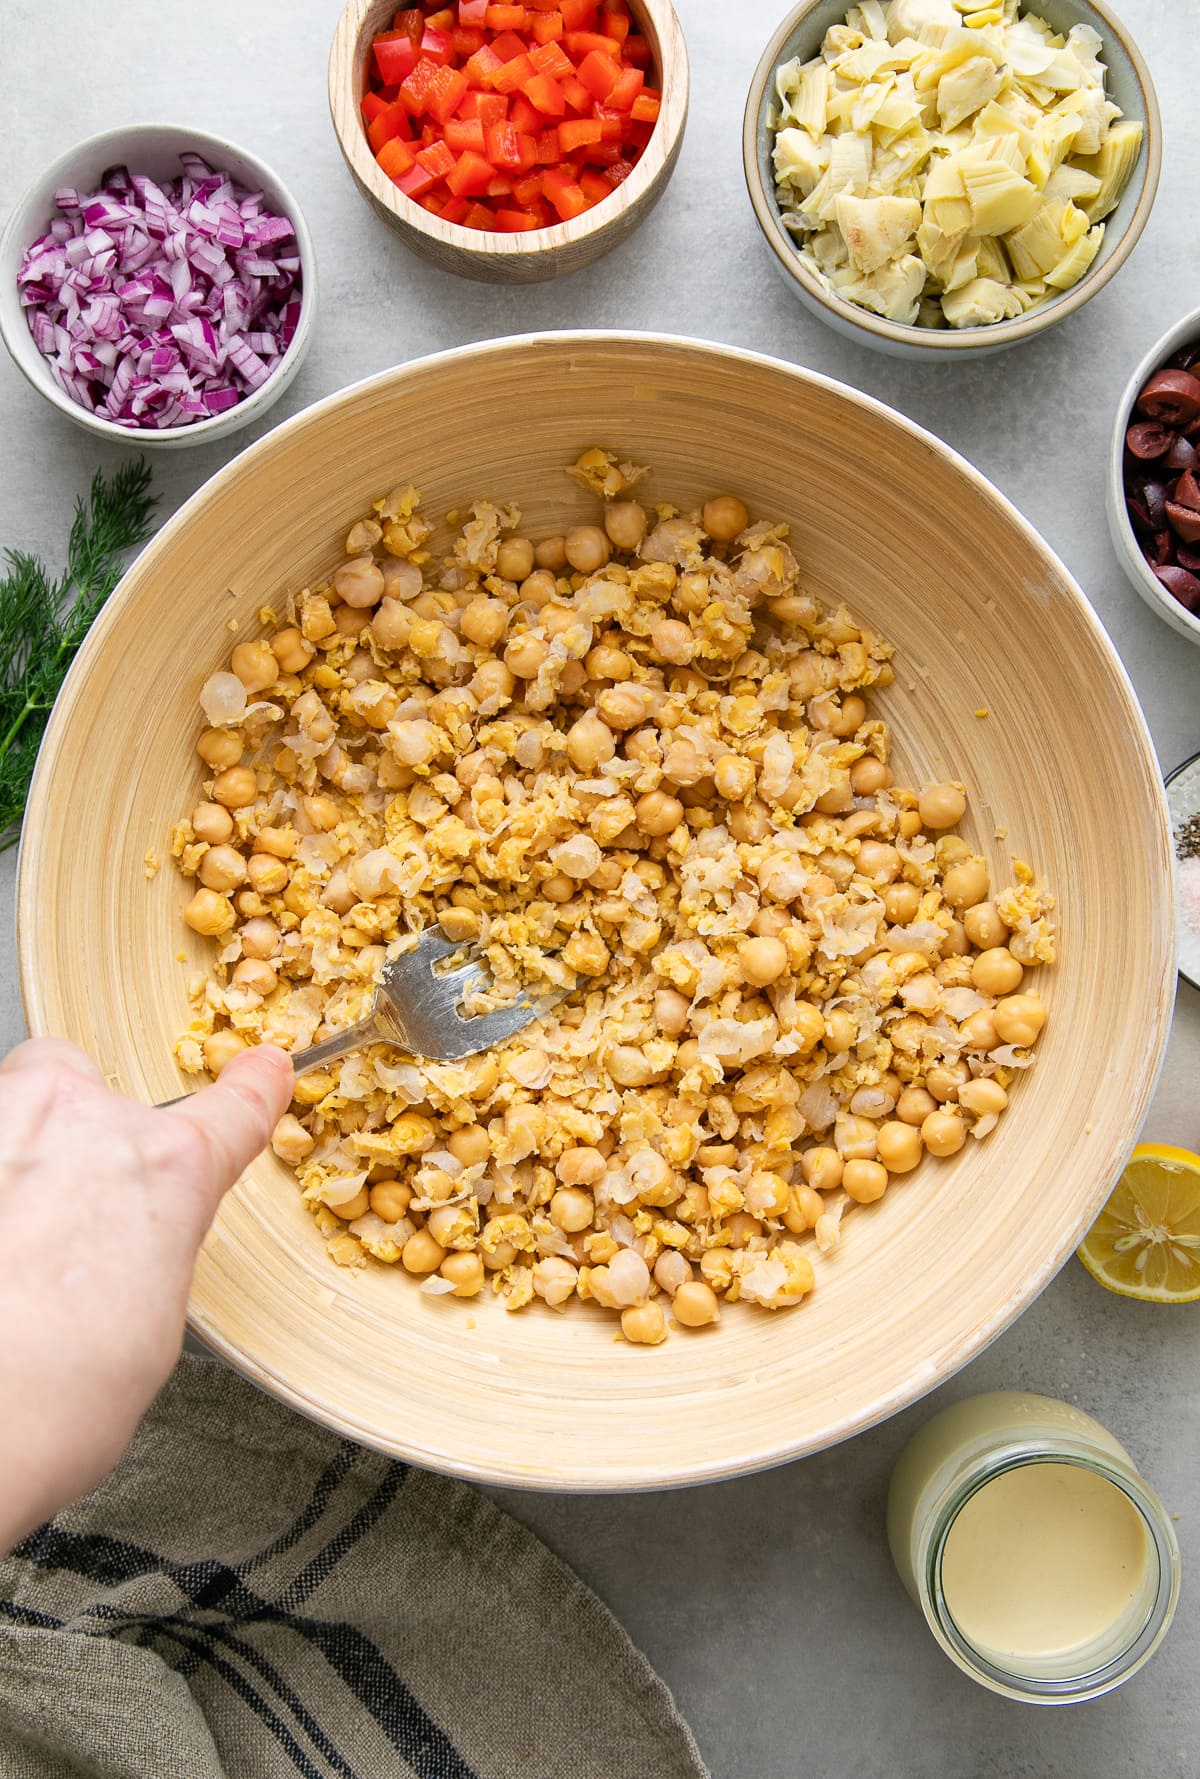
(152, 149)
(1125, 543)
(801, 33)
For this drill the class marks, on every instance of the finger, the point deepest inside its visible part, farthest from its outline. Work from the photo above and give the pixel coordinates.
(36, 1053)
(231, 1122)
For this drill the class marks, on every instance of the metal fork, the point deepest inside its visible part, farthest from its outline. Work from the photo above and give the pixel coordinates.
(417, 1007)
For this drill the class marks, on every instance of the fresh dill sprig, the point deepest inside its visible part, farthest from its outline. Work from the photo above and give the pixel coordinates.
(43, 622)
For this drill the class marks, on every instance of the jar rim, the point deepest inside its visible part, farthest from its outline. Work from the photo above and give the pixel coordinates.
(1164, 1546)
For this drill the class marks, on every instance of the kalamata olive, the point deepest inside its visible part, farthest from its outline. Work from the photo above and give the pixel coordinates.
(1184, 521)
(1164, 546)
(1172, 397)
(1139, 518)
(1186, 492)
(1148, 439)
(1189, 558)
(1182, 455)
(1181, 585)
(1154, 496)
(1186, 357)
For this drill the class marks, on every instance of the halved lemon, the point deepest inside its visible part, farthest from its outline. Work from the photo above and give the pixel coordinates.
(1146, 1241)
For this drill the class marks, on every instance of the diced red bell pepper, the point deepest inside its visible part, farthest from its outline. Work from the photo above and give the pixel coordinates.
(482, 65)
(395, 57)
(551, 59)
(472, 12)
(578, 133)
(578, 15)
(508, 46)
(614, 22)
(612, 124)
(392, 121)
(507, 18)
(528, 189)
(628, 86)
(599, 74)
(637, 50)
(467, 41)
(577, 96)
(447, 88)
(501, 186)
(478, 217)
(502, 145)
(587, 43)
(546, 94)
(601, 154)
(618, 173)
(564, 193)
(489, 108)
(396, 158)
(638, 135)
(463, 133)
(546, 27)
(438, 46)
(471, 175)
(516, 222)
(443, 19)
(512, 75)
(594, 186)
(436, 159)
(414, 92)
(371, 106)
(410, 20)
(455, 209)
(416, 182)
(645, 107)
(524, 116)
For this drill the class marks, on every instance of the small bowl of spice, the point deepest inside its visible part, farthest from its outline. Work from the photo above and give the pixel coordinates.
(937, 181)
(510, 144)
(1154, 478)
(1183, 801)
(157, 284)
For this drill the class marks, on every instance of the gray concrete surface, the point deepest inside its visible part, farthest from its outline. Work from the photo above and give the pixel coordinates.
(769, 1604)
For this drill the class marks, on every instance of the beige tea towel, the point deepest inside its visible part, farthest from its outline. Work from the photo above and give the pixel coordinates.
(250, 1597)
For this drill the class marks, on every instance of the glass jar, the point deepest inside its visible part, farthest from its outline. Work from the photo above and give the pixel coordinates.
(992, 1572)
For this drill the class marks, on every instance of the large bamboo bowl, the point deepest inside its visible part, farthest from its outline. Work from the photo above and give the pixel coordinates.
(983, 615)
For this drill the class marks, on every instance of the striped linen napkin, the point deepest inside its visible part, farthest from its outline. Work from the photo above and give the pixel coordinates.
(249, 1596)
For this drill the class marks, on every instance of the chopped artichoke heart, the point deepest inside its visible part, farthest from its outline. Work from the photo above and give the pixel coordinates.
(992, 261)
(804, 94)
(980, 303)
(1092, 110)
(876, 229)
(1038, 245)
(799, 161)
(999, 199)
(1112, 166)
(960, 46)
(967, 89)
(1070, 183)
(1076, 260)
(893, 291)
(1053, 141)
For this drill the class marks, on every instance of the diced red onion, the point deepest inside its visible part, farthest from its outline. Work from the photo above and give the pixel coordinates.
(158, 305)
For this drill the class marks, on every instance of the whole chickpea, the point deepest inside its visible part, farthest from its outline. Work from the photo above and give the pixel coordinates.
(984, 926)
(515, 559)
(421, 1253)
(901, 902)
(222, 868)
(869, 776)
(1019, 1019)
(236, 787)
(671, 1011)
(290, 1141)
(209, 914)
(899, 1146)
(260, 938)
(865, 1181)
(589, 742)
(551, 555)
(657, 812)
(877, 861)
(695, 1304)
(725, 517)
(470, 1145)
(359, 582)
(979, 1030)
(941, 806)
(996, 971)
(255, 665)
(943, 1133)
(220, 1048)
(644, 1325)
(526, 655)
(219, 748)
(587, 548)
(944, 1079)
(255, 974)
(966, 884)
(582, 1166)
(822, 1168)
(572, 1210)
(983, 1097)
(915, 1105)
(211, 823)
(291, 650)
(625, 523)
(763, 960)
(465, 1272)
(267, 875)
(484, 621)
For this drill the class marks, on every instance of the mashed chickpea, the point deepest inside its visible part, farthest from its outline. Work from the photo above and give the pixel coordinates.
(632, 761)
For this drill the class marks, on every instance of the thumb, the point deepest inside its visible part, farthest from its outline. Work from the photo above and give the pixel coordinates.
(231, 1121)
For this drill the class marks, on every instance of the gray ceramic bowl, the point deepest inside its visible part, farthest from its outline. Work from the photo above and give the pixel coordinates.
(1129, 84)
(1125, 543)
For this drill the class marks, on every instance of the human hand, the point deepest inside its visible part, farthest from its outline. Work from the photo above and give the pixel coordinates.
(103, 1206)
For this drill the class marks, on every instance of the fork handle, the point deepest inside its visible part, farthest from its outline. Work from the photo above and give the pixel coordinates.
(354, 1037)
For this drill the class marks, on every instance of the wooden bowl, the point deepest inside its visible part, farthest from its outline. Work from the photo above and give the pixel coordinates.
(488, 256)
(1129, 84)
(983, 615)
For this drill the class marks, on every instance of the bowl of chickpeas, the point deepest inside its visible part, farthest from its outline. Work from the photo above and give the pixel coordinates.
(744, 786)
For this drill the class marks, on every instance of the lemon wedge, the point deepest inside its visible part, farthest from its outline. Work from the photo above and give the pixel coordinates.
(1146, 1241)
